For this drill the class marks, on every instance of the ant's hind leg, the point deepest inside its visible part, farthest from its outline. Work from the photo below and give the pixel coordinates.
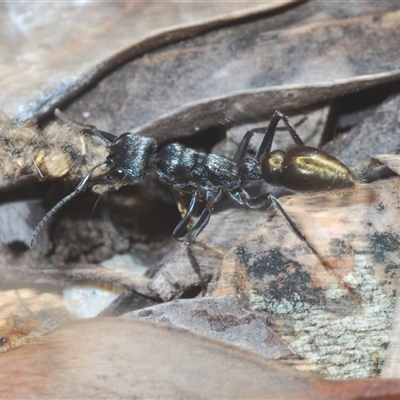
(295, 228)
(270, 131)
(244, 199)
(292, 130)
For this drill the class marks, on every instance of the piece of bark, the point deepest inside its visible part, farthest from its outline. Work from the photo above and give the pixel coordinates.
(391, 365)
(333, 302)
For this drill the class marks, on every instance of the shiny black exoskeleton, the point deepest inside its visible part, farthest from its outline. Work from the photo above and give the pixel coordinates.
(208, 176)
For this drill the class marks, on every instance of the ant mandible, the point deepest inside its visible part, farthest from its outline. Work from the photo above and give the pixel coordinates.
(208, 176)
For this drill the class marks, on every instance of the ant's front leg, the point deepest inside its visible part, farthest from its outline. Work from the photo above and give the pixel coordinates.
(197, 228)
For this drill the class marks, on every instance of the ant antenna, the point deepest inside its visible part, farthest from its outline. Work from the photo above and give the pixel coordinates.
(65, 118)
(86, 128)
(81, 186)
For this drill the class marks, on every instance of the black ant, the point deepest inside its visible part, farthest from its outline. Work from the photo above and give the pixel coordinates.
(208, 176)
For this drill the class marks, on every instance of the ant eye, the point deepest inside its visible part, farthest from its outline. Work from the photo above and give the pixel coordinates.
(117, 174)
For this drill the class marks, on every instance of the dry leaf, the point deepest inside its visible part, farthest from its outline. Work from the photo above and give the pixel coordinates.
(222, 318)
(392, 161)
(27, 314)
(119, 358)
(48, 62)
(242, 74)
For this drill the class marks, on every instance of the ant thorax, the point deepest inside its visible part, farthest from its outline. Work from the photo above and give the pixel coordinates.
(250, 169)
(181, 166)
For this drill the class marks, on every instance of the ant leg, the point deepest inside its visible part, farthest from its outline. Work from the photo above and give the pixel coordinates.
(193, 233)
(292, 130)
(268, 139)
(266, 144)
(297, 231)
(86, 128)
(200, 224)
(244, 144)
(243, 198)
(194, 201)
(196, 267)
(293, 226)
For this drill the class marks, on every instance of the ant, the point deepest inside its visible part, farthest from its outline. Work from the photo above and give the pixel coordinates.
(208, 176)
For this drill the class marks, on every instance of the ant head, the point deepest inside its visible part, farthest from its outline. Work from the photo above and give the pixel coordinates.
(128, 160)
